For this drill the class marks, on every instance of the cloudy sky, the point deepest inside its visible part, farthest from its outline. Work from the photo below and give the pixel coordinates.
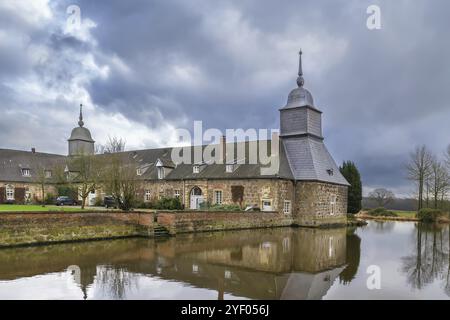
(143, 68)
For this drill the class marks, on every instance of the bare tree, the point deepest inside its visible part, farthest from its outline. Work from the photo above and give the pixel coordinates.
(439, 181)
(120, 181)
(113, 145)
(382, 196)
(41, 177)
(418, 169)
(88, 171)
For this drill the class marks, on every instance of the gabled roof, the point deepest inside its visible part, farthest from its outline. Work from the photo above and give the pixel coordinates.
(13, 161)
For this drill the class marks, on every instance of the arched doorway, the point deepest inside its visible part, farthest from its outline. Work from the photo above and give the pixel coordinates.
(196, 198)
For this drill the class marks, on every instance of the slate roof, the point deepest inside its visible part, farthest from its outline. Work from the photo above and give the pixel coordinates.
(309, 159)
(301, 158)
(13, 161)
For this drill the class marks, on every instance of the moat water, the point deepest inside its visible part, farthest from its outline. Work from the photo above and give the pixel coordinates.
(405, 260)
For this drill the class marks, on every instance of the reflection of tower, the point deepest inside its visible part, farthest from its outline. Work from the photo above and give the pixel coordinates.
(87, 278)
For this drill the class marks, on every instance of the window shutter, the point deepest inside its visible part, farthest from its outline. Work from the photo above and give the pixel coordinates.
(2, 194)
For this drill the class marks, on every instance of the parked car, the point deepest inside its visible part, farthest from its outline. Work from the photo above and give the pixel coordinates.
(66, 201)
(109, 202)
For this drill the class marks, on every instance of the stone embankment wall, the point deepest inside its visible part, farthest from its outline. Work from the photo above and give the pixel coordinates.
(40, 228)
(198, 221)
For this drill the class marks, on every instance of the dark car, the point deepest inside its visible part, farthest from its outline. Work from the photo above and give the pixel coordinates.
(66, 201)
(109, 202)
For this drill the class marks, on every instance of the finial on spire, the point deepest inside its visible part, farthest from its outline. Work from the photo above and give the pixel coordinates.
(80, 121)
(300, 80)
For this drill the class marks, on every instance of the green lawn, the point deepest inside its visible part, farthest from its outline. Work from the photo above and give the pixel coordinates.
(405, 214)
(31, 207)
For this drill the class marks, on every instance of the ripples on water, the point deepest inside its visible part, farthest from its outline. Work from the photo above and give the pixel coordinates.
(284, 263)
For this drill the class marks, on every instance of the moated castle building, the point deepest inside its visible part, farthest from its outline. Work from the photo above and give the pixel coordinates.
(308, 186)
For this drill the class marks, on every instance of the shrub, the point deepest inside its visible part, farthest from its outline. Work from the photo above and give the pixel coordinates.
(429, 215)
(98, 202)
(49, 198)
(381, 212)
(168, 204)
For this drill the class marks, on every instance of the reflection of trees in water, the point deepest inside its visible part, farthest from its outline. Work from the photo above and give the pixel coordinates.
(115, 281)
(381, 226)
(430, 260)
(353, 254)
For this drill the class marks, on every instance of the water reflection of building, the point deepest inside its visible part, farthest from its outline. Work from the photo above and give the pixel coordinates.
(266, 264)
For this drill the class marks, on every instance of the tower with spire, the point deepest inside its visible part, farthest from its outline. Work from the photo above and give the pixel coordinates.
(80, 141)
(318, 179)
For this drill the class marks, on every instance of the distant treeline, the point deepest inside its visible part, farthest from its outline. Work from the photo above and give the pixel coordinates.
(394, 204)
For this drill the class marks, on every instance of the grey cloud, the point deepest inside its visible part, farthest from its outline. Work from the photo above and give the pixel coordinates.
(385, 94)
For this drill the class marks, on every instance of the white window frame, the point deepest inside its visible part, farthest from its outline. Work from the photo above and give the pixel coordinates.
(177, 193)
(196, 169)
(48, 174)
(9, 190)
(287, 207)
(333, 205)
(161, 173)
(229, 168)
(26, 172)
(262, 204)
(139, 172)
(218, 197)
(147, 196)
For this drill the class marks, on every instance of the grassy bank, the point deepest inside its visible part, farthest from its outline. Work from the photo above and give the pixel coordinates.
(34, 208)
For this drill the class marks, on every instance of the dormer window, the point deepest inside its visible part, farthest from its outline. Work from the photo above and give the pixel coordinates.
(230, 168)
(139, 171)
(26, 172)
(330, 172)
(196, 169)
(161, 173)
(48, 174)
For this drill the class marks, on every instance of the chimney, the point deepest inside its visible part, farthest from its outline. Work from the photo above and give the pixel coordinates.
(33, 150)
(223, 149)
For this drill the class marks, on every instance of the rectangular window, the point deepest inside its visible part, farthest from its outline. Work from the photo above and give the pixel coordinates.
(196, 169)
(48, 174)
(218, 197)
(160, 173)
(177, 193)
(147, 195)
(230, 168)
(266, 205)
(26, 172)
(287, 207)
(139, 171)
(333, 205)
(9, 193)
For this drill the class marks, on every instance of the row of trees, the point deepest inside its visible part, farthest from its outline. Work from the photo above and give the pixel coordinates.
(431, 175)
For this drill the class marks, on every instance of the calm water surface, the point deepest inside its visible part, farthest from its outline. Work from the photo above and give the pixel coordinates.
(279, 263)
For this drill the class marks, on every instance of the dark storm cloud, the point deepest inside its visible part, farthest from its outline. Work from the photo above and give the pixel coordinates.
(233, 63)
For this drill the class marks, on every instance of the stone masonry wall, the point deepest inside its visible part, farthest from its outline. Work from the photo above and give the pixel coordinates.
(32, 228)
(183, 222)
(318, 203)
(255, 190)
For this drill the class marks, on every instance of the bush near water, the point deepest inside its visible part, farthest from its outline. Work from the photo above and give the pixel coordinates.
(381, 212)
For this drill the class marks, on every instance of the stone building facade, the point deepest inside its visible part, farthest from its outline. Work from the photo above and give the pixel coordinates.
(307, 185)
